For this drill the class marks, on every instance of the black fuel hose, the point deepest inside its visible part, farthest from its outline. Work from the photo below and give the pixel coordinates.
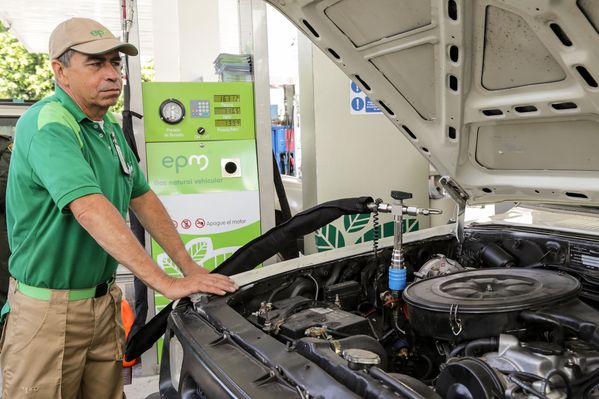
(251, 255)
(262, 248)
(291, 250)
(482, 344)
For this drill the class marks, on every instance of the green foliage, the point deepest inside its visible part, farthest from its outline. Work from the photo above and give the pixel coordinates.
(28, 76)
(23, 75)
(147, 72)
(147, 75)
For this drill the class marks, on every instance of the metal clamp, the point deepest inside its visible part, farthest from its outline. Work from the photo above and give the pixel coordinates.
(454, 321)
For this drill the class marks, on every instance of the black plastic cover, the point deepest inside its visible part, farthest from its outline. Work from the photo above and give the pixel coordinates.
(295, 323)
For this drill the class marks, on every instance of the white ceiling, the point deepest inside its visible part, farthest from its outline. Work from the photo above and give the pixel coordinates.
(32, 21)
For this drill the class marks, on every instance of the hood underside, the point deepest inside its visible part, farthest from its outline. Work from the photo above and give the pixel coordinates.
(500, 95)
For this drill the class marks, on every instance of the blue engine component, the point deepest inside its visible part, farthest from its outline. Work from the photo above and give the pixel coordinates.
(397, 279)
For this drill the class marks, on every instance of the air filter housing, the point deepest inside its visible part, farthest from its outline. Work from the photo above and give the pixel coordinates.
(483, 303)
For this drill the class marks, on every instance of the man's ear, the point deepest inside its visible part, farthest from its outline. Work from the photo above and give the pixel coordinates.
(60, 72)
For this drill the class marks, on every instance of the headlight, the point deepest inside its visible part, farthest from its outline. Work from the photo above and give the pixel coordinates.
(176, 360)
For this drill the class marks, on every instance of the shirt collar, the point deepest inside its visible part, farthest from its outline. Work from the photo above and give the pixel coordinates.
(69, 104)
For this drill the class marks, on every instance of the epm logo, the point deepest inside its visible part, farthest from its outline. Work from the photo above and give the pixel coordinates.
(98, 32)
(181, 162)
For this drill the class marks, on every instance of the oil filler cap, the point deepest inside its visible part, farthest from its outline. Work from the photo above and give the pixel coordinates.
(359, 359)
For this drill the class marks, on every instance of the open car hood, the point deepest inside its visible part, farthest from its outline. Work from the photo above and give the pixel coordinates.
(501, 95)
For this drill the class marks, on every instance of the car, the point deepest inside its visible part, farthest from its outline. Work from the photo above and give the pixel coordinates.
(502, 97)
(10, 111)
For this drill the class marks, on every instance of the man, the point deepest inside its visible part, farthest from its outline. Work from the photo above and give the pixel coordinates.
(71, 181)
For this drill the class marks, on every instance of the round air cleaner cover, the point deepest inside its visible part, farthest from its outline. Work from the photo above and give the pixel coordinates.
(484, 302)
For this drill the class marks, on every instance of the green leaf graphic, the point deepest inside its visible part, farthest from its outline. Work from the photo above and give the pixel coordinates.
(198, 249)
(387, 231)
(411, 225)
(216, 260)
(368, 236)
(167, 264)
(355, 223)
(329, 238)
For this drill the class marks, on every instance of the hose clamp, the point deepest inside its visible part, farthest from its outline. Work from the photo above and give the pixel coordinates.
(454, 320)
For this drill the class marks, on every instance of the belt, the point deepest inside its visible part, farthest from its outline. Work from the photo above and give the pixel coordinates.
(74, 295)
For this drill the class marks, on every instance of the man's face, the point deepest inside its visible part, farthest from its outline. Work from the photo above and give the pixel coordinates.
(93, 81)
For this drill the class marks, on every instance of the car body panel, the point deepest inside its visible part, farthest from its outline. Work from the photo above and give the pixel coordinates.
(501, 95)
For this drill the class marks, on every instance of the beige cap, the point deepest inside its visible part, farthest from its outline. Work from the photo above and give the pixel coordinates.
(86, 36)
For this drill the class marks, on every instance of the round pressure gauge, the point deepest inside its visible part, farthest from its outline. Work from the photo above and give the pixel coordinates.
(172, 111)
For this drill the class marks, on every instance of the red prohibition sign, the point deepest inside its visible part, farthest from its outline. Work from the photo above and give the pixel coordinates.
(200, 223)
(186, 223)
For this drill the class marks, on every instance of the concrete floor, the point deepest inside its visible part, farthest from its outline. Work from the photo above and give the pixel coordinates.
(141, 387)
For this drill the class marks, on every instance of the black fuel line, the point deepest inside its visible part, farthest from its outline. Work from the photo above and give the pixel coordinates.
(252, 254)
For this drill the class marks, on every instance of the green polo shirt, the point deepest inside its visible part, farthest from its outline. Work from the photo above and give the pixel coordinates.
(61, 155)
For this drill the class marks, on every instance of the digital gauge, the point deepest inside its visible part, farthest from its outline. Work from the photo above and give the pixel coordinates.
(227, 98)
(172, 111)
(227, 122)
(227, 110)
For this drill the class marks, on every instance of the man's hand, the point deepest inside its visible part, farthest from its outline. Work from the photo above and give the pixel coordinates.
(199, 282)
(196, 270)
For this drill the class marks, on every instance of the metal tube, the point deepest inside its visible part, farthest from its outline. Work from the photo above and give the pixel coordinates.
(397, 255)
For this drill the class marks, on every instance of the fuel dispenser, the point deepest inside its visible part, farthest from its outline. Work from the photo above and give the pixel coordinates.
(202, 163)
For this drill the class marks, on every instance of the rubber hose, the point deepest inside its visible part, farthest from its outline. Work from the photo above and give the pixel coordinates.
(480, 345)
(534, 317)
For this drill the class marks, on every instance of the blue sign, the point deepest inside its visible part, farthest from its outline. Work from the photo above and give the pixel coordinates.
(370, 107)
(357, 104)
(360, 103)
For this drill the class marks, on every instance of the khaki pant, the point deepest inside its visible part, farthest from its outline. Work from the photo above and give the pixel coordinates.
(63, 349)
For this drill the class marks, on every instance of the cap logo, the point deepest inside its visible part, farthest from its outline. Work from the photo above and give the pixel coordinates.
(98, 32)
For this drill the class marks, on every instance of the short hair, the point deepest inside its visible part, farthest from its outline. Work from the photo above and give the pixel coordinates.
(65, 58)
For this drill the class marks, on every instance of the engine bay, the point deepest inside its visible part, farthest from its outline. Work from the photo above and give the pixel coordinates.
(506, 314)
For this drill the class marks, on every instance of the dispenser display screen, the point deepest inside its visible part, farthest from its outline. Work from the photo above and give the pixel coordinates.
(227, 122)
(198, 111)
(227, 98)
(227, 110)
